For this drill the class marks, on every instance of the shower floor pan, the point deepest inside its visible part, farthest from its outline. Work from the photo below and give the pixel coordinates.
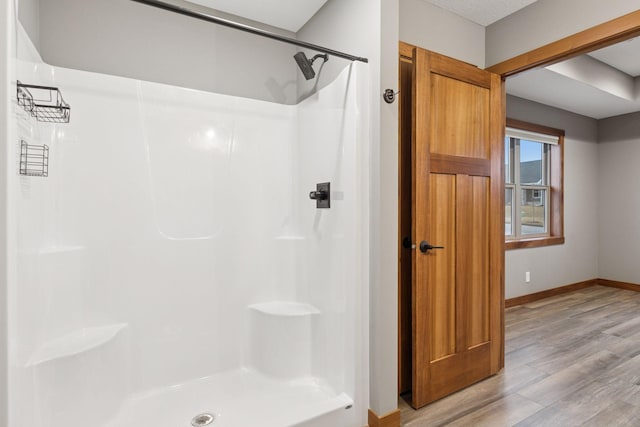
(237, 398)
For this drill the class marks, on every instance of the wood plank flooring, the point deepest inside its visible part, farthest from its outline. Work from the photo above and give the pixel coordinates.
(571, 360)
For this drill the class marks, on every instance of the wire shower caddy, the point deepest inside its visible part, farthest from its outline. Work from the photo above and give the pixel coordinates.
(34, 159)
(45, 103)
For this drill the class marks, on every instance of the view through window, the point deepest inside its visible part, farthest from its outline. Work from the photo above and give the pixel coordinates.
(533, 182)
(528, 182)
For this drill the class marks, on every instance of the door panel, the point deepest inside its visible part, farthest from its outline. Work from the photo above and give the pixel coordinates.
(459, 126)
(479, 262)
(457, 201)
(441, 267)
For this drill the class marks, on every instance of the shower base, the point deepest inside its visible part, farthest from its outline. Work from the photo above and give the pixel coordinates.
(237, 398)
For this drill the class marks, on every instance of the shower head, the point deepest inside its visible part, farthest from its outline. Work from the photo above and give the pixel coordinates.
(306, 64)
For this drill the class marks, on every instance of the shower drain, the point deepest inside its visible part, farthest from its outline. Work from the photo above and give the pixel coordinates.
(202, 420)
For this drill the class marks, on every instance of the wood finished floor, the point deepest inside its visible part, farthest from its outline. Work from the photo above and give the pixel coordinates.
(571, 360)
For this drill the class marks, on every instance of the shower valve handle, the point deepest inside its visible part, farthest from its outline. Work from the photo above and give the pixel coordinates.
(318, 195)
(322, 195)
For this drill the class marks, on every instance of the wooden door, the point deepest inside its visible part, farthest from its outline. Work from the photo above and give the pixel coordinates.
(457, 193)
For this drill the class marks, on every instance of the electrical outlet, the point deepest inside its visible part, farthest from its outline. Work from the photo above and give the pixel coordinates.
(527, 277)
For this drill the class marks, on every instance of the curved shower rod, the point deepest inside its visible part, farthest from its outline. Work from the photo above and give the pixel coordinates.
(247, 28)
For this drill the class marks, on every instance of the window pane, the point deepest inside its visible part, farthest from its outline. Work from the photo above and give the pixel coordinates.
(533, 211)
(508, 211)
(532, 171)
(508, 176)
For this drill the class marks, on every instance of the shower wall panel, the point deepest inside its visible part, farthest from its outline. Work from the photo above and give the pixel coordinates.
(167, 213)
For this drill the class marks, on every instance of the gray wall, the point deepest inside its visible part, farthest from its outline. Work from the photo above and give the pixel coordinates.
(577, 259)
(619, 197)
(347, 26)
(546, 21)
(433, 28)
(29, 15)
(587, 181)
(356, 27)
(128, 39)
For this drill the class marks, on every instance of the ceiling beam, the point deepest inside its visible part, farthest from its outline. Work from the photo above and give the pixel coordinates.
(598, 75)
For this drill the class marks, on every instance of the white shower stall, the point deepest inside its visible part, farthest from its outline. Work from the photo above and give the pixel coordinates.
(171, 263)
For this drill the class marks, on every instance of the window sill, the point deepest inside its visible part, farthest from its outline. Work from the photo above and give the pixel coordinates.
(533, 243)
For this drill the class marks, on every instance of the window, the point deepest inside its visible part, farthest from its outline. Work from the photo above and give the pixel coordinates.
(533, 185)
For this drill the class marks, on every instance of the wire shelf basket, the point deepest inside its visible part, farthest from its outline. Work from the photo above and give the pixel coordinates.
(34, 159)
(45, 103)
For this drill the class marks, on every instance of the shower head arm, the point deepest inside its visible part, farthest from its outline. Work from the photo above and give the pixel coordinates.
(324, 56)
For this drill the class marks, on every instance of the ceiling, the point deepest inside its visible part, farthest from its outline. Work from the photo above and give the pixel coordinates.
(623, 56)
(293, 14)
(483, 12)
(287, 14)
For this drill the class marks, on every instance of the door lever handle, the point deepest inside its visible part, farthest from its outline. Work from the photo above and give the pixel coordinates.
(425, 247)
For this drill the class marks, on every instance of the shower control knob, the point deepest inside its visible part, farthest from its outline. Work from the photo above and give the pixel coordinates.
(318, 195)
(322, 195)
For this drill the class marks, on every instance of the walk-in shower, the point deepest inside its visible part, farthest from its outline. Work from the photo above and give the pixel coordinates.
(170, 269)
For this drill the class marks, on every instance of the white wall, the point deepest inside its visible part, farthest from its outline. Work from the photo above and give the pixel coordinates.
(546, 21)
(370, 29)
(619, 197)
(384, 213)
(7, 54)
(577, 259)
(438, 30)
(123, 38)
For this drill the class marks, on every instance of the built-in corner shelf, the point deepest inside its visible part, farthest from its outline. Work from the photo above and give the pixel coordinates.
(75, 343)
(285, 308)
(282, 338)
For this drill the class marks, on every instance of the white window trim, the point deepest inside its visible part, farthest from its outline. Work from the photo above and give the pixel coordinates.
(533, 136)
